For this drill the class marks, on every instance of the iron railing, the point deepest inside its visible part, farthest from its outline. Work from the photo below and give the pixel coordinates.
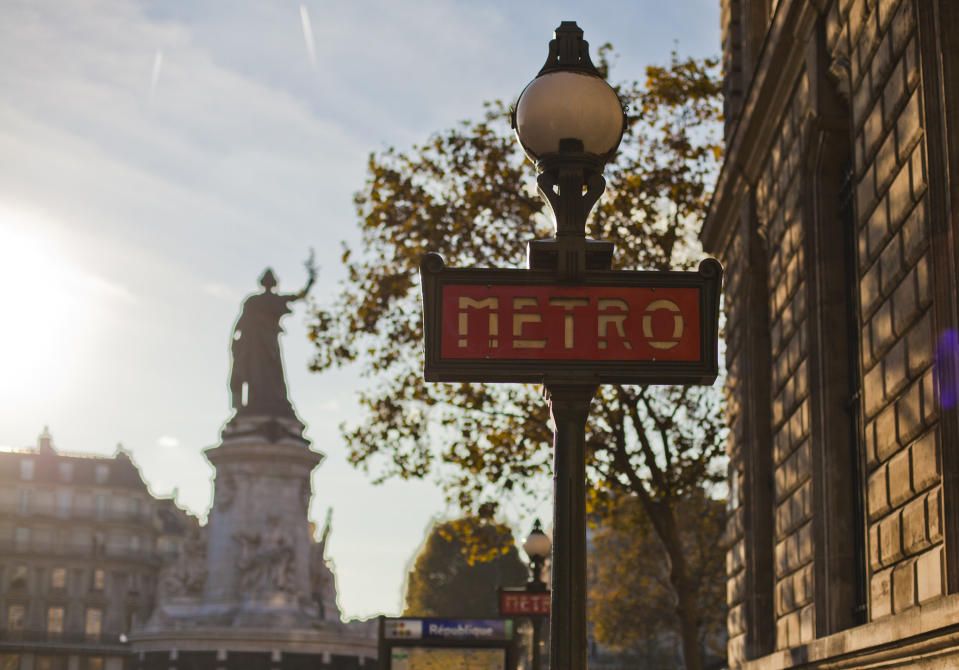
(92, 550)
(71, 638)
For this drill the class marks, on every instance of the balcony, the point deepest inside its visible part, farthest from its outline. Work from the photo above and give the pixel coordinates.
(146, 555)
(139, 517)
(42, 637)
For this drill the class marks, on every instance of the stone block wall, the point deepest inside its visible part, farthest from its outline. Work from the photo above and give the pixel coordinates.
(772, 205)
(903, 489)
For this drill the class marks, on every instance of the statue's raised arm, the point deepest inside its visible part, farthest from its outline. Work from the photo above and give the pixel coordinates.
(311, 271)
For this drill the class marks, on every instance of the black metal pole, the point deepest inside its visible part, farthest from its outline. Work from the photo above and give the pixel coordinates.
(537, 664)
(569, 408)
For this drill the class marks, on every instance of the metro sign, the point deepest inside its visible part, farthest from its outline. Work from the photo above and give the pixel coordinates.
(626, 327)
(519, 602)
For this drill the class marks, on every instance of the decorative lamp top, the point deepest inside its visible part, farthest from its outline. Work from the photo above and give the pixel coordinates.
(568, 51)
(569, 108)
(538, 544)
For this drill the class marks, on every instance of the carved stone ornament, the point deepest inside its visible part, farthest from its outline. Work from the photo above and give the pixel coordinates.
(265, 562)
(186, 575)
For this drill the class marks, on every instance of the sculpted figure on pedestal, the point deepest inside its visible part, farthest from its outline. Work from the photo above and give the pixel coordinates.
(186, 575)
(265, 562)
(257, 383)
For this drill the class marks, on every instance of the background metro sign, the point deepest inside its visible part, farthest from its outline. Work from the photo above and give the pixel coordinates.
(620, 327)
(517, 602)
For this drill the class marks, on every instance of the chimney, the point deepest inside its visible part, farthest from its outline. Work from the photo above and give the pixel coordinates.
(45, 441)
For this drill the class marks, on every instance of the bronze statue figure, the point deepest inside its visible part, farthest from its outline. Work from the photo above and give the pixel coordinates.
(257, 382)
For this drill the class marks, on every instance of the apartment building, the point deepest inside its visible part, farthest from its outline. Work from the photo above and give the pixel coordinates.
(81, 543)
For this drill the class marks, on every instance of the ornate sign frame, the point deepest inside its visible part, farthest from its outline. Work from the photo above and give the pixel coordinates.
(436, 277)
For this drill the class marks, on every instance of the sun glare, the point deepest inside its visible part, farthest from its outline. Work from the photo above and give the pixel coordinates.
(42, 305)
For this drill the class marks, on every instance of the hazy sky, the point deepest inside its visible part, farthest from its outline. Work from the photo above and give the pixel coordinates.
(155, 156)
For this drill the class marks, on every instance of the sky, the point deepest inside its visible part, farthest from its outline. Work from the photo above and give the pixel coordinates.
(157, 155)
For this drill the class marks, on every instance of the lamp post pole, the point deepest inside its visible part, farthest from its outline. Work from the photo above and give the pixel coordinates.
(569, 407)
(570, 122)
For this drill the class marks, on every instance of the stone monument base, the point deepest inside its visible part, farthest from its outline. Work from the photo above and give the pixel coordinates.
(333, 646)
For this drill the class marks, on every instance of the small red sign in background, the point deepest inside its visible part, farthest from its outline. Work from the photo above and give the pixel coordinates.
(522, 603)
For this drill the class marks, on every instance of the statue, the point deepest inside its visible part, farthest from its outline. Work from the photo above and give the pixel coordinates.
(257, 365)
(322, 581)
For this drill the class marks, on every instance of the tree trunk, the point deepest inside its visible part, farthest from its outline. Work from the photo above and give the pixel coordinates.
(664, 521)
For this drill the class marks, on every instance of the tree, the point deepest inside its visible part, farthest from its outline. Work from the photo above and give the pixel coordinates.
(468, 195)
(449, 579)
(631, 602)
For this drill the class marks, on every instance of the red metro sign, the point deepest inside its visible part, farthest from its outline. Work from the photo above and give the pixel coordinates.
(619, 326)
(566, 323)
(519, 602)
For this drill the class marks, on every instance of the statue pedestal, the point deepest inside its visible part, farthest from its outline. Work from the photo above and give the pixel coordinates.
(254, 587)
(258, 558)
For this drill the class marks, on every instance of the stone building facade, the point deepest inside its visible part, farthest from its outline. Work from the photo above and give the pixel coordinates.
(81, 544)
(833, 216)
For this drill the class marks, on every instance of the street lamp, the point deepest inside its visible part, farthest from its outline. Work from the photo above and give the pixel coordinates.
(569, 122)
(537, 547)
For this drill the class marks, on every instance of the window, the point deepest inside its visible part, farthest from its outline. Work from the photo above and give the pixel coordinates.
(64, 503)
(101, 473)
(19, 578)
(66, 471)
(58, 578)
(50, 662)
(24, 501)
(135, 543)
(93, 622)
(26, 469)
(55, 620)
(101, 507)
(134, 507)
(130, 617)
(21, 537)
(134, 583)
(92, 663)
(15, 616)
(98, 579)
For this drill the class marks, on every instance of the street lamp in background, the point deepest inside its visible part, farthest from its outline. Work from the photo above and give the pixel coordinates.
(537, 547)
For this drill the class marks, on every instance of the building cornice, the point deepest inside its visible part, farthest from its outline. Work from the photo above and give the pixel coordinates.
(926, 631)
(780, 62)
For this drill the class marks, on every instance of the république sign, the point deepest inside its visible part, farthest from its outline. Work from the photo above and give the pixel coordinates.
(628, 327)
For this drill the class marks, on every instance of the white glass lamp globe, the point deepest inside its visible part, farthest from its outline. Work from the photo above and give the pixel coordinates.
(537, 545)
(563, 105)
